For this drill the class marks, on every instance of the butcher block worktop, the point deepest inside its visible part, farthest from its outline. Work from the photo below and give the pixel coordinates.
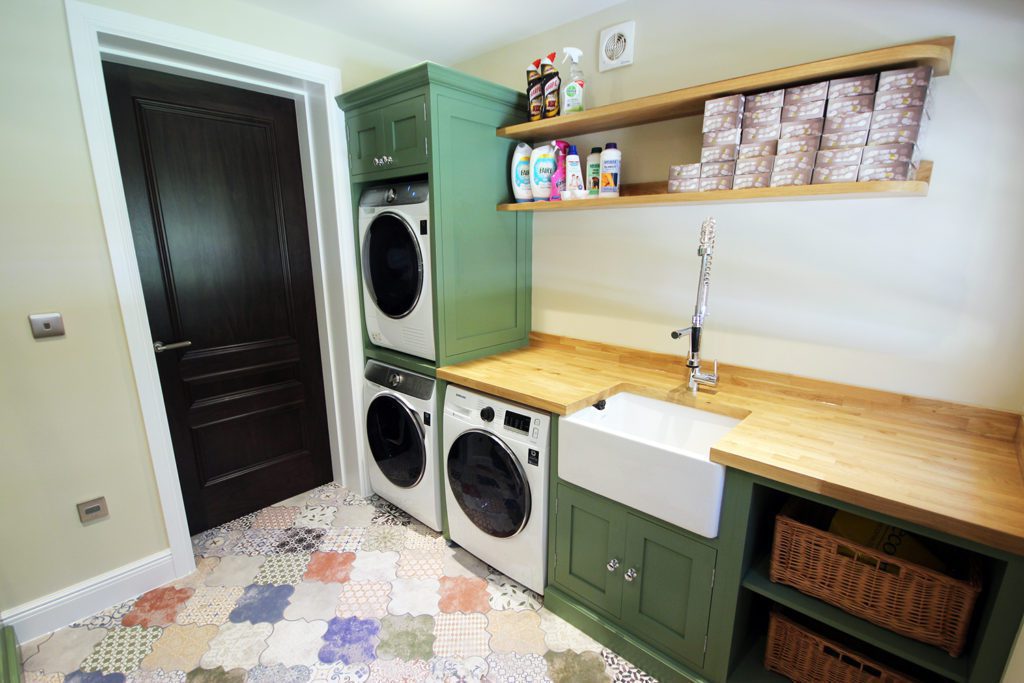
(945, 466)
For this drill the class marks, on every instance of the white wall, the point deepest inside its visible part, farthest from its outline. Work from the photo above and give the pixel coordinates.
(912, 295)
(70, 424)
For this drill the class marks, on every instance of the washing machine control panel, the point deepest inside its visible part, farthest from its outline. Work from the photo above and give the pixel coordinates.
(508, 420)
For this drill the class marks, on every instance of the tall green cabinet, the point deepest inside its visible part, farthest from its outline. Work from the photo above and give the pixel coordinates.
(435, 123)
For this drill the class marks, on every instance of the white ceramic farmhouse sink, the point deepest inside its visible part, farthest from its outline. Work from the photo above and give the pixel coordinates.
(650, 455)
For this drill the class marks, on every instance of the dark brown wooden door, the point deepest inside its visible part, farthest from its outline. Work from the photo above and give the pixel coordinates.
(213, 181)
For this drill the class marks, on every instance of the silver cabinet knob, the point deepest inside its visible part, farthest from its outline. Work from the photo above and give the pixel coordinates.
(390, 160)
(630, 574)
(613, 564)
(160, 347)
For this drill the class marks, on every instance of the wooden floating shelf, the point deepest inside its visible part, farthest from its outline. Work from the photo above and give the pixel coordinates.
(657, 194)
(937, 53)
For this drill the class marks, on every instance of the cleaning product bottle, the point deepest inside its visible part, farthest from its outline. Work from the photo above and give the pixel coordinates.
(594, 172)
(558, 179)
(575, 188)
(542, 167)
(521, 173)
(572, 92)
(551, 85)
(534, 91)
(611, 170)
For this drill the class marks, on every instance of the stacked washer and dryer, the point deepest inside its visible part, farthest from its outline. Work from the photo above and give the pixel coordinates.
(495, 453)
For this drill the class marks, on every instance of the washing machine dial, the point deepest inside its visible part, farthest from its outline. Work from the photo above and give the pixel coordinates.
(390, 195)
(394, 379)
(487, 414)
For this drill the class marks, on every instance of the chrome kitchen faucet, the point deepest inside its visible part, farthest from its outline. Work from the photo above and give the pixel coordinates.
(705, 250)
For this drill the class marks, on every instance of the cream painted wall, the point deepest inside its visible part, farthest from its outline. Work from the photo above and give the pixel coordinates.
(913, 295)
(70, 424)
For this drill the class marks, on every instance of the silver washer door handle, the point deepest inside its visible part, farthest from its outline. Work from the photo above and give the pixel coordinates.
(160, 347)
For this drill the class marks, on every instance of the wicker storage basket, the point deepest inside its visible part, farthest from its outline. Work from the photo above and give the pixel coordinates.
(901, 596)
(805, 657)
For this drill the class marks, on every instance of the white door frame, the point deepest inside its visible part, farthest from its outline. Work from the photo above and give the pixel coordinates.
(98, 33)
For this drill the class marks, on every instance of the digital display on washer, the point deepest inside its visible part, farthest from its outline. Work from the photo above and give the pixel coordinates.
(520, 423)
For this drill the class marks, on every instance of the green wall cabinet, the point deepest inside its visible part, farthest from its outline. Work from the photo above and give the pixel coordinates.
(433, 122)
(653, 582)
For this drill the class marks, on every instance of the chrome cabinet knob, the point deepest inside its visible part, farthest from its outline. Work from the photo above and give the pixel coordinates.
(613, 564)
(630, 574)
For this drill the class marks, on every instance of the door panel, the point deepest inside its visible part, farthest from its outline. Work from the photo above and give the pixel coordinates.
(590, 534)
(213, 181)
(484, 253)
(405, 131)
(365, 140)
(488, 483)
(669, 602)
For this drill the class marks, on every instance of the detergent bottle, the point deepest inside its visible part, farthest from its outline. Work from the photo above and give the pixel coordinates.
(542, 167)
(521, 173)
(558, 179)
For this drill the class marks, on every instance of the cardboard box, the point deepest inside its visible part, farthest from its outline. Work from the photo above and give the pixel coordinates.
(900, 171)
(902, 98)
(807, 143)
(717, 183)
(684, 171)
(717, 169)
(797, 161)
(718, 153)
(761, 117)
(798, 129)
(893, 136)
(915, 77)
(761, 133)
(806, 93)
(854, 85)
(856, 104)
(848, 156)
(722, 137)
(730, 104)
(755, 165)
(835, 174)
(743, 182)
(765, 148)
(684, 185)
(854, 138)
(811, 109)
(890, 118)
(883, 155)
(786, 178)
(839, 124)
(721, 122)
(772, 99)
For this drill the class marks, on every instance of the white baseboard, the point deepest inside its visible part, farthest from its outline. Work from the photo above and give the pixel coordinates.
(56, 610)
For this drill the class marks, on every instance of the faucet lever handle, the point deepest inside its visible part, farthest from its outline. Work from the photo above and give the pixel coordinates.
(682, 332)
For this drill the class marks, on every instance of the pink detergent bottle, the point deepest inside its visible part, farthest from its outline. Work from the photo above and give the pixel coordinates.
(558, 179)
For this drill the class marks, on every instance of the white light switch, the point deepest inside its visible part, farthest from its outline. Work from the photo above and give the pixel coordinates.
(46, 325)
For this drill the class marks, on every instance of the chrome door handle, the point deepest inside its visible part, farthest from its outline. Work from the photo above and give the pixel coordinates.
(630, 574)
(613, 564)
(160, 347)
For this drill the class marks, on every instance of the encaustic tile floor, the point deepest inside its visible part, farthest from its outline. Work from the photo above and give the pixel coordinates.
(327, 586)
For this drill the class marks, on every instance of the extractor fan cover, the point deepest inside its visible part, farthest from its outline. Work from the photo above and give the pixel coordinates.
(617, 46)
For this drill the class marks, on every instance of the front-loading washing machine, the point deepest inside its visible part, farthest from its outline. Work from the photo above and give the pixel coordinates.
(496, 482)
(394, 245)
(401, 440)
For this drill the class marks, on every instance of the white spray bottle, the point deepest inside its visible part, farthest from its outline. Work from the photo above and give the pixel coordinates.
(575, 86)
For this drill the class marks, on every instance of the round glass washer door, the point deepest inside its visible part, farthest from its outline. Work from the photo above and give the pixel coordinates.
(488, 483)
(396, 440)
(392, 265)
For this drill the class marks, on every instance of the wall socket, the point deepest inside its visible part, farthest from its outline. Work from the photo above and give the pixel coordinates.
(94, 509)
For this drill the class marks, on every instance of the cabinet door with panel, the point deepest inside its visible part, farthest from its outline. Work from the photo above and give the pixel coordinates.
(364, 140)
(404, 132)
(484, 281)
(668, 582)
(589, 546)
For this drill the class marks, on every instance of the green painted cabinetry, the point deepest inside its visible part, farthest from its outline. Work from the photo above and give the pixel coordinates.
(652, 581)
(435, 123)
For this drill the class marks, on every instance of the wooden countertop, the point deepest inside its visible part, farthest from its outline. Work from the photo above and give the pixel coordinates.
(945, 466)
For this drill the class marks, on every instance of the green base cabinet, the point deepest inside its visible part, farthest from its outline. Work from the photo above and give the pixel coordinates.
(647, 579)
(435, 123)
